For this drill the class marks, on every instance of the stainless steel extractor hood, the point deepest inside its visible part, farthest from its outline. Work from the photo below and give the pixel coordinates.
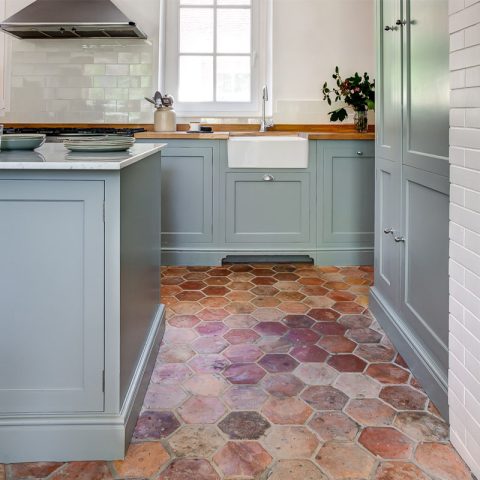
(71, 19)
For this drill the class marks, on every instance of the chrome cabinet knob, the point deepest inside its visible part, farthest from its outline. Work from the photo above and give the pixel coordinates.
(359, 153)
(268, 178)
(399, 239)
(388, 231)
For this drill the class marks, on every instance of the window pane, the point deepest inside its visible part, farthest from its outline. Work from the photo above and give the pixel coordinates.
(196, 2)
(195, 79)
(233, 30)
(196, 30)
(233, 79)
(233, 2)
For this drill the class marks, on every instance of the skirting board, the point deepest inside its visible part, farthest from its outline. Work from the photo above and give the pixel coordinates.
(347, 257)
(82, 437)
(423, 367)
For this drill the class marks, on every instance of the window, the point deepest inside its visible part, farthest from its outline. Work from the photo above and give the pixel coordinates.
(215, 55)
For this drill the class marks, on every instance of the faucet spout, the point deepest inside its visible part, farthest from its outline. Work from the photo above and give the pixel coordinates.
(265, 124)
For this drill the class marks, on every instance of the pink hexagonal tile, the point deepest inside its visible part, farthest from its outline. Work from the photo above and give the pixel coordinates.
(243, 353)
(245, 397)
(201, 409)
(286, 410)
(244, 373)
(278, 362)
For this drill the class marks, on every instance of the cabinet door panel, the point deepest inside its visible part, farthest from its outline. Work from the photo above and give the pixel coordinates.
(388, 108)
(261, 211)
(425, 282)
(51, 296)
(187, 195)
(348, 194)
(426, 84)
(387, 218)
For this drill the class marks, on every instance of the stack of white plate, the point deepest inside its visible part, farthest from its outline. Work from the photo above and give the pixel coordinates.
(108, 143)
(21, 141)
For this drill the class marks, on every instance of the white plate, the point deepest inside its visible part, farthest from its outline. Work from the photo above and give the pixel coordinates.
(98, 148)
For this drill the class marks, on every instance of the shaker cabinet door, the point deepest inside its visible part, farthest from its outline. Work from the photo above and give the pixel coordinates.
(55, 227)
(268, 208)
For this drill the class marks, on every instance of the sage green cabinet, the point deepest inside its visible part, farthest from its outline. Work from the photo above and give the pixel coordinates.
(187, 195)
(268, 208)
(410, 296)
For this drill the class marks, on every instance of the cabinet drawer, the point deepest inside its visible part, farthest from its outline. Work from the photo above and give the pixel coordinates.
(268, 207)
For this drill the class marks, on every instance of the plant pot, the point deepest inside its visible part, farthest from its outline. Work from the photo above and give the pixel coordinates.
(360, 121)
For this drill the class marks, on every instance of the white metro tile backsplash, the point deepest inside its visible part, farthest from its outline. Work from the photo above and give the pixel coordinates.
(74, 81)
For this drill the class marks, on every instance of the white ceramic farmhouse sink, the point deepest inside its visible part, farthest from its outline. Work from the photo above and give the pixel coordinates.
(268, 152)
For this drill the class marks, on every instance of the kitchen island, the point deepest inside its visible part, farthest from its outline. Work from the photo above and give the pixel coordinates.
(80, 312)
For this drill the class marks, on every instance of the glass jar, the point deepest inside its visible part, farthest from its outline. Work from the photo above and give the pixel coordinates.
(360, 121)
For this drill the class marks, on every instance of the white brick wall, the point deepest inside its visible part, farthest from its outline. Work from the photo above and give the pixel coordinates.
(464, 373)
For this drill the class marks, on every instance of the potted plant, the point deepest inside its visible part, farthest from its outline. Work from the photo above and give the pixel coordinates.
(357, 92)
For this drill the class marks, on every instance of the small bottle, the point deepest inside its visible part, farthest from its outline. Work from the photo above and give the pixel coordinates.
(165, 120)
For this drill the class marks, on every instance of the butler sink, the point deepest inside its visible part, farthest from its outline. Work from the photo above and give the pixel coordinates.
(268, 152)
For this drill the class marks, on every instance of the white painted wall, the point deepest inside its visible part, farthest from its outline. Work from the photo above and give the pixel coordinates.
(464, 373)
(50, 81)
(311, 37)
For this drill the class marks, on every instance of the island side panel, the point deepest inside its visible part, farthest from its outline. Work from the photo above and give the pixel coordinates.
(140, 245)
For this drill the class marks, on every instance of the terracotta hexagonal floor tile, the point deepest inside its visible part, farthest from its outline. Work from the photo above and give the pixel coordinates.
(183, 321)
(316, 373)
(370, 412)
(219, 272)
(386, 442)
(345, 461)
(190, 296)
(309, 353)
(241, 335)
(388, 373)
(348, 307)
(192, 285)
(291, 442)
(358, 385)
(286, 411)
(268, 314)
(212, 363)
(35, 470)
(271, 329)
(337, 285)
(347, 363)
(240, 321)
(196, 441)
(240, 296)
(244, 425)
(90, 470)
(274, 345)
(286, 277)
(267, 302)
(218, 281)
(211, 329)
(341, 296)
(336, 344)
(334, 426)
(243, 353)
(240, 307)
(209, 385)
(264, 291)
(163, 396)
(244, 373)
(422, 426)
(302, 336)
(183, 468)
(278, 362)
(442, 461)
(242, 459)
(403, 397)
(155, 425)
(170, 373)
(324, 314)
(364, 335)
(264, 281)
(324, 398)
(285, 286)
(375, 353)
(216, 291)
(210, 344)
(175, 353)
(399, 471)
(241, 286)
(290, 296)
(245, 397)
(293, 469)
(355, 321)
(282, 385)
(329, 328)
(200, 409)
(214, 302)
(212, 314)
(142, 460)
(176, 336)
(298, 321)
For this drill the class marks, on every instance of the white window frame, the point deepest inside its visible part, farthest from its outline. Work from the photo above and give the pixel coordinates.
(259, 42)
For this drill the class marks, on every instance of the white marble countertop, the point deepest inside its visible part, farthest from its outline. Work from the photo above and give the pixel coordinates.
(54, 156)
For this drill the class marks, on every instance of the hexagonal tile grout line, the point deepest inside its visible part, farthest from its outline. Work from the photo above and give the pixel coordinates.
(271, 352)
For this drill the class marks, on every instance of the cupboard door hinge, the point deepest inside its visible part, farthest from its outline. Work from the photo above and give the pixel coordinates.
(103, 381)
